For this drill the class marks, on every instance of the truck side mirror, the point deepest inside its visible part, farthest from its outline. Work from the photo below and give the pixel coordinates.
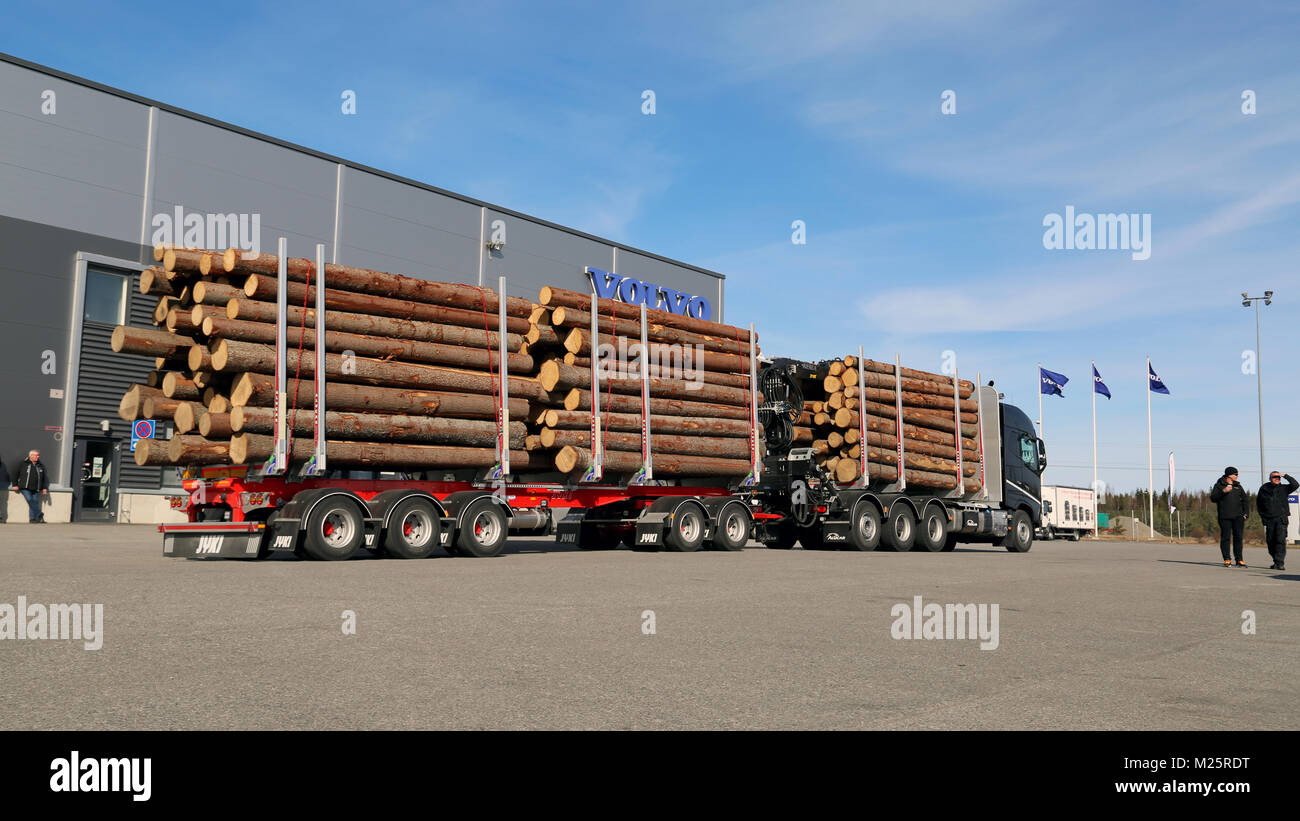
(1042, 456)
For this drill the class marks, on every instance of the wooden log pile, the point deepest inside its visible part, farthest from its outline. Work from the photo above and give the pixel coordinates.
(413, 370)
(835, 407)
(699, 387)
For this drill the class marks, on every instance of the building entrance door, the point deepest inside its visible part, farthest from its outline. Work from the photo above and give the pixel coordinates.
(95, 465)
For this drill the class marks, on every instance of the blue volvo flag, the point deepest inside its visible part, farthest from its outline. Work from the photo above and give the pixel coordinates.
(1098, 385)
(1154, 381)
(1050, 382)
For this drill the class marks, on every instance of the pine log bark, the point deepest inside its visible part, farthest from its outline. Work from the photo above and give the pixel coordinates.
(258, 390)
(248, 448)
(231, 356)
(215, 425)
(655, 331)
(253, 311)
(716, 447)
(379, 347)
(630, 422)
(264, 288)
(560, 297)
(555, 375)
(131, 407)
(372, 427)
(579, 399)
(175, 386)
(379, 283)
(578, 342)
(571, 459)
(148, 342)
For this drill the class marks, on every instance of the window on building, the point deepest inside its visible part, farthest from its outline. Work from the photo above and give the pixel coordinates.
(105, 297)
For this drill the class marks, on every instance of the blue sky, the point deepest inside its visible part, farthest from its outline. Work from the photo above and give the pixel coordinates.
(829, 112)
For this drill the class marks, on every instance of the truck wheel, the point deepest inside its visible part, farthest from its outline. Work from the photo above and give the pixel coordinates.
(334, 530)
(412, 530)
(900, 529)
(483, 530)
(1021, 537)
(933, 529)
(864, 529)
(686, 532)
(950, 543)
(785, 537)
(733, 529)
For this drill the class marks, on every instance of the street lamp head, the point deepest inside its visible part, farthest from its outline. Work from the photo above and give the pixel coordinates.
(1245, 303)
(1244, 296)
(1268, 297)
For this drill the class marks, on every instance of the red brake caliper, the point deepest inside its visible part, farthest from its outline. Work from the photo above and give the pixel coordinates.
(328, 529)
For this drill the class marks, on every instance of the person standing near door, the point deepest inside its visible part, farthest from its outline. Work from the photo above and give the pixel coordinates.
(33, 482)
(1229, 495)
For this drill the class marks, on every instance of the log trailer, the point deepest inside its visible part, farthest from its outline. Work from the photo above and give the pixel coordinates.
(318, 513)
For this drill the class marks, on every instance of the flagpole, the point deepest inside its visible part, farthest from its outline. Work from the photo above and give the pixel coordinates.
(1095, 516)
(1151, 472)
(1040, 401)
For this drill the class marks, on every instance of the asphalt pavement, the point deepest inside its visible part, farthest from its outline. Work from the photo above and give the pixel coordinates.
(1089, 636)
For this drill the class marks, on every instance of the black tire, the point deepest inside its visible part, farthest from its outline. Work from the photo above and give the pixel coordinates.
(483, 530)
(950, 543)
(786, 536)
(335, 530)
(412, 529)
(864, 527)
(1021, 537)
(686, 530)
(900, 529)
(932, 531)
(733, 528)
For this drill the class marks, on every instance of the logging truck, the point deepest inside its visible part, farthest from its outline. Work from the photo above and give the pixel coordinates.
(840, 454)
(790, 499)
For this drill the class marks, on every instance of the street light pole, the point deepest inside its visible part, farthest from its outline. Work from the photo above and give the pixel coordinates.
(1259, 372)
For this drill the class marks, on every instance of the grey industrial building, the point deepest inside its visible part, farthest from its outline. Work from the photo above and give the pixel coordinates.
(90, 174)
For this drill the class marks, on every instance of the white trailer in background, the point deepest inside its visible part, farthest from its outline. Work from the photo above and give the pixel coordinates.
(1067, 512)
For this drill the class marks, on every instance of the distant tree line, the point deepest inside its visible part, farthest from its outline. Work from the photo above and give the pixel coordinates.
(1200, 517)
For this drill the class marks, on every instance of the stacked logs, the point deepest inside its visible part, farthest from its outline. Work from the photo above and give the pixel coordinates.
(699, 387)
(831, 425)
(412, 366)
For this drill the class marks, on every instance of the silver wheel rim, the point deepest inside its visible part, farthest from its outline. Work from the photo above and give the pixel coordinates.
(902, 528)
(1022, 533)
(936, 529)
(485, 528)
(735, 528)
(417, 528)
(867, 527)
(336, 530)
(689, 527)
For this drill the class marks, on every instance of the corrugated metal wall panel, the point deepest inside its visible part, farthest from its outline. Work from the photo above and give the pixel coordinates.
(102, 379)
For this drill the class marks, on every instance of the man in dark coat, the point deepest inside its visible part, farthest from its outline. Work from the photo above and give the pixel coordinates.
(1275, 509)
(33, 482)
(1231, 499)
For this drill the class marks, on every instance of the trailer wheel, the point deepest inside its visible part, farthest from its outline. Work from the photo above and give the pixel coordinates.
(483, 530)
(900, 529)
(864, 528)
(932, 532)
(733, 529)
(686, 532)
(412, 529)
(1021, 537)
(334, 530)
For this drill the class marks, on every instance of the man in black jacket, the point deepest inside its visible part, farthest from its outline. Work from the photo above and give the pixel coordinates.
(33, 482)
(1231, 499)
(1275, 509)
